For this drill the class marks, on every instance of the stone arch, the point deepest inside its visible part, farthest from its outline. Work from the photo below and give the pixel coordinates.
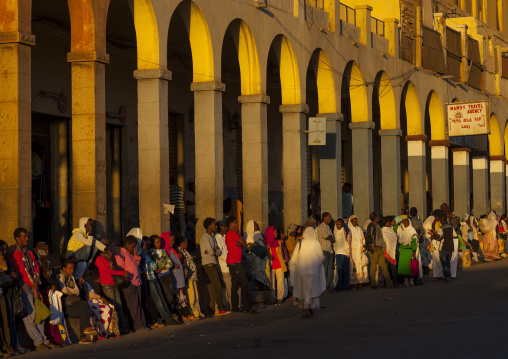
(88, 25)
(495, 144)
(147, 35)
(327, 97)
(412, 107)
(200, 41)
(386, 97)
(357, 93)
(289, 73)
(434, 110)
(247, 57)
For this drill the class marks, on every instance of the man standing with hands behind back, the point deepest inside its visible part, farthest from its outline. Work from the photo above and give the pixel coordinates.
(210, 251)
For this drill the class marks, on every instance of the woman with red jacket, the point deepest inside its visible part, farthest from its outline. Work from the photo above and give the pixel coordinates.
(105, 265)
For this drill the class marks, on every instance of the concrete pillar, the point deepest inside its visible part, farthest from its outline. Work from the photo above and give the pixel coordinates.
(461, 181)
(363, 21)
(209, 152)
(330, 166)
(153, 149)
(16, 127)
(390, 171)
(255, 158)
(89, 137)
(439, 153)
(114, 191)
(294, 162)
(363, 186)
(480, 186)
(60, 185)
(464, 67)
(392, 35)
(497, 184)
(417, 173)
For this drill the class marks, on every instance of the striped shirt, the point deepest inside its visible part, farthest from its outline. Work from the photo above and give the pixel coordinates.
(176, 197)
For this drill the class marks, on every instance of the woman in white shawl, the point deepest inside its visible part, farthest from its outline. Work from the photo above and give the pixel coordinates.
(359, 261)
(307, 273)
(408, 239)
(390, 238)
(490, 244)
(257, 261)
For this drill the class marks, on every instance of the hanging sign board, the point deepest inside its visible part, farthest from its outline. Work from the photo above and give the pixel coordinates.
(317, 131)
(468, 118)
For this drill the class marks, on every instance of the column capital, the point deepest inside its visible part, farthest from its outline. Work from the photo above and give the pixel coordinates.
(496, 158)
(298, 108)
(259, 98)
(17, 37)
(147, 74)
(208, 86)
(334, 116)
(439, 143)
(366, 125)
(88, 56)
(416, 138)
(461, 149)
(391, 132)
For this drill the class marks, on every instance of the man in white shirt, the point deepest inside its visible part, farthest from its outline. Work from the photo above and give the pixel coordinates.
(341, 247)
(326, 240)
(220, 238)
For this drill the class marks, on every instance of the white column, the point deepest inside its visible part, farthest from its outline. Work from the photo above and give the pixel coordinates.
(330, 166)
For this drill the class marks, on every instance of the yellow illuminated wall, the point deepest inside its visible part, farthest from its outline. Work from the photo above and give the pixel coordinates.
(495, 146)
(249, 61)
(358, 95)
(437, 119)
(325, 85)
(386, 97)
(413, 114)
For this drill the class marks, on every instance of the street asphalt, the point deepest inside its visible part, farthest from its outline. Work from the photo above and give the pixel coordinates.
(464, 319)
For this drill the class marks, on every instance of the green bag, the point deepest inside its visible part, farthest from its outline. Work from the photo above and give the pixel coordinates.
(41, 311)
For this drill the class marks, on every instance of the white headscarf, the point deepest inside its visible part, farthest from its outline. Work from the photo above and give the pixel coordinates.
(356, 232)
(406, 234)
(249, 232)
(82, 222)
(427, 226)
(136, 232)
(488, 225)
(390, 238)
(309, 233)
(251, 236)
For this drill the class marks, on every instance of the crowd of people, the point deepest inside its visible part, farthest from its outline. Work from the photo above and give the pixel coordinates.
(151, 282)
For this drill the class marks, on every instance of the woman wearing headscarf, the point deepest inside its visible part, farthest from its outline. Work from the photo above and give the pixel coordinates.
(359, 261)
(391, 239)
(490, 245)
(408, 239)
(277, 262)
(83, 245)
(307, 273)
(256, 254)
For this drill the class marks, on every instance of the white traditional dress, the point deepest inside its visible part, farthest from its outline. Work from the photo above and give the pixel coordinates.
(359, 260)
(307, 271)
